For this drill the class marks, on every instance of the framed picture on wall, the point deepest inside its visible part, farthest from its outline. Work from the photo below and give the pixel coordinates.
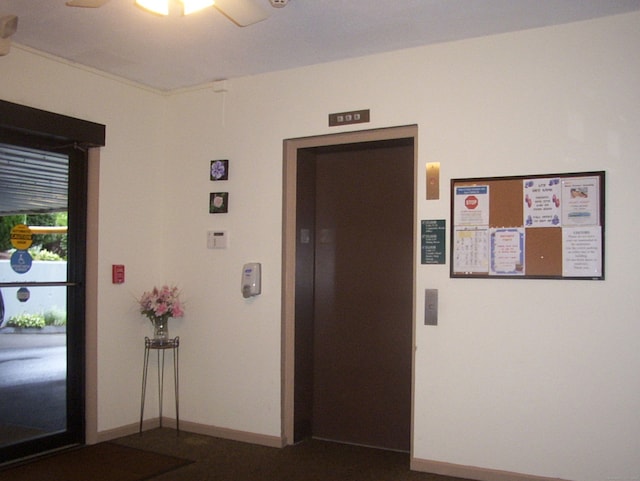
(218, 202)
(219, 170)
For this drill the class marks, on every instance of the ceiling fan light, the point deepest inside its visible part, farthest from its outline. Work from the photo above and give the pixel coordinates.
(161, 7)
(191, 6)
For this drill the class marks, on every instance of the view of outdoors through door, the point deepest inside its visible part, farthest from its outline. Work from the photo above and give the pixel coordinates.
(33, 297)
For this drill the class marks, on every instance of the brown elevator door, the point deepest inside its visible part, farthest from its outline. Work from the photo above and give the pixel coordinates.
(363, 295)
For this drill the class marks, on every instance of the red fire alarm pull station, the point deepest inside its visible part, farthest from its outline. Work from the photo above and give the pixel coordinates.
(117, 274)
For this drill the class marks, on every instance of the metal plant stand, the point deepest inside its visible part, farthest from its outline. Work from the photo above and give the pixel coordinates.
(160, 346)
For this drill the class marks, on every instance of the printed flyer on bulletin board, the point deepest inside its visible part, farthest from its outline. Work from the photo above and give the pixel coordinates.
(471, 233)
(472, 205)
(471, 247)
(507, 251)
(542, 202)
(536, 226)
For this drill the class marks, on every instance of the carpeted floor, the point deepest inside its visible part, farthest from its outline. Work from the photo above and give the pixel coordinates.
(313, 460)
(100, 462)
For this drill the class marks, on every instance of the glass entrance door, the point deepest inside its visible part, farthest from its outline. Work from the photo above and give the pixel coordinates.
(41, 300)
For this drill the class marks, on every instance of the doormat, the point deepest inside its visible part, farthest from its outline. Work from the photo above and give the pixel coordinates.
(99, 462)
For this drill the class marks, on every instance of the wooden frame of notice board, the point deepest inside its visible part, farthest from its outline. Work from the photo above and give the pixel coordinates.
(528, 227)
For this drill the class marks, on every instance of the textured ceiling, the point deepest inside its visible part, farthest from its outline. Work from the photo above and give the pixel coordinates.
(175, 52)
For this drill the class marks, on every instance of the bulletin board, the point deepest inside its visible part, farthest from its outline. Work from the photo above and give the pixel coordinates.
(535, 226)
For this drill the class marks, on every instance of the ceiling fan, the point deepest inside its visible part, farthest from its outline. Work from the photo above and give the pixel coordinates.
(241, 12)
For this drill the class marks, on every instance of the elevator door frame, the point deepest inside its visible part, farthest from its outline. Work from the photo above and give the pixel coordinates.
(290, 155)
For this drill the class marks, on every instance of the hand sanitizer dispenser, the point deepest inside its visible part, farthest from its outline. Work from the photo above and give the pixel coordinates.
(251, 280)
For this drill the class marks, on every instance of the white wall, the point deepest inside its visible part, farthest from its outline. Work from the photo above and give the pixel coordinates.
(528, 376)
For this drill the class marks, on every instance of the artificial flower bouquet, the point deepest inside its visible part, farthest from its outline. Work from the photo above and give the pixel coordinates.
(161, 304)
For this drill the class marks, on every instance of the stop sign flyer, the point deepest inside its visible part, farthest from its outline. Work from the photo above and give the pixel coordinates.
(472, 205)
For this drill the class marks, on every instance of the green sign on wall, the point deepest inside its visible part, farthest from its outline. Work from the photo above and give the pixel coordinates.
(433, 241)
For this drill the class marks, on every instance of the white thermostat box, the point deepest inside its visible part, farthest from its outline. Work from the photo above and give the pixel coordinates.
(217, 239)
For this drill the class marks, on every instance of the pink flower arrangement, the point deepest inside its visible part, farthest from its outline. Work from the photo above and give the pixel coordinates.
(161, 304)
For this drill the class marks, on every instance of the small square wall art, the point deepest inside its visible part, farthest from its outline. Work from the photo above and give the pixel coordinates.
(218, 202)
(219, 170)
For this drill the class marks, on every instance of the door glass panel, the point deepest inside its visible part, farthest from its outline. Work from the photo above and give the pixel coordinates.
(33, 369)
(33, 294)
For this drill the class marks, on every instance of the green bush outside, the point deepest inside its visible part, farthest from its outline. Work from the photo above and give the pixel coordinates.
(26, 320)
(44, 255)
(55, 317)
(52, 317)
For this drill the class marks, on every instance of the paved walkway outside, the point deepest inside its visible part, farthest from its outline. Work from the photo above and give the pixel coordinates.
(32, 384)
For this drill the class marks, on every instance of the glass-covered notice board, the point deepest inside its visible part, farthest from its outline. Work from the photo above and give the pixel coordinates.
(536, 226)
